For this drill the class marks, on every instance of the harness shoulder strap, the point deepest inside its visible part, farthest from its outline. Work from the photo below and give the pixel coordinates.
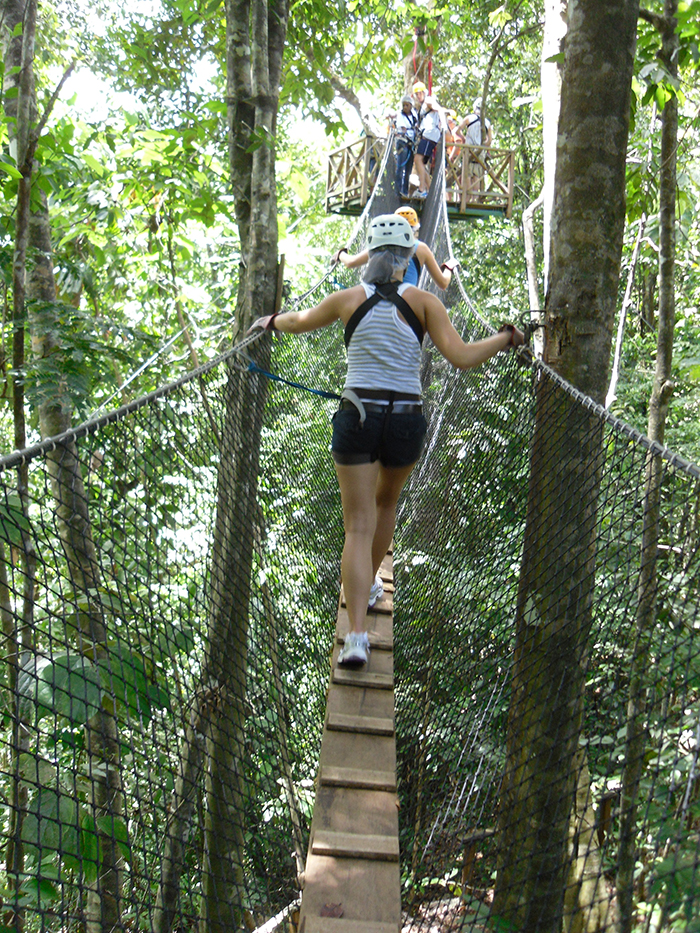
(387, 291)
(359, 313)
(390, 292)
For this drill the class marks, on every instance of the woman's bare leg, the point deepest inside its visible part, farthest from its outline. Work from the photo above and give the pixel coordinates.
(422, 172)
(369, 493)
(357, 492)
(390, 482)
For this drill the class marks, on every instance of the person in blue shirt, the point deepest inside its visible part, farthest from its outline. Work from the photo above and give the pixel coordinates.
(423, 256)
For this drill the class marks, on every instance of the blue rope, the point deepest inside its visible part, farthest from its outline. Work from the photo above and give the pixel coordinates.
(254, 368)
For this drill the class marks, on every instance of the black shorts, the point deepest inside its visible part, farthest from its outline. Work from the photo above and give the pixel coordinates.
(426, 147)
(396, 440)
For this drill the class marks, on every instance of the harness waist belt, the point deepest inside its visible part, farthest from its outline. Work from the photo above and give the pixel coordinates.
(398, 408)
(386, 395)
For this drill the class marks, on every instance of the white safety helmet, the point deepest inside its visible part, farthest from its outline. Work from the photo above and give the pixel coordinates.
(389, 230)
(477, 105)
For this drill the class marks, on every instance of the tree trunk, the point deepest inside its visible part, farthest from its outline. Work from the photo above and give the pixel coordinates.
(626, 301)
(102, 912)
(647, 311)
(553, 613)
(255, 35)
(20, 638)
(588, 907)
(635, 744)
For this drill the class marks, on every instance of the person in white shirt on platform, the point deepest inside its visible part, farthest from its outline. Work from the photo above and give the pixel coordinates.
(471, 126)
(431, 126)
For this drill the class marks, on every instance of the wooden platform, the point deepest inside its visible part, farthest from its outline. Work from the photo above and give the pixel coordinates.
(352, 880)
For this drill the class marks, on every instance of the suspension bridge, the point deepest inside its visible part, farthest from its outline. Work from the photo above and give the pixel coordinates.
(179, 751)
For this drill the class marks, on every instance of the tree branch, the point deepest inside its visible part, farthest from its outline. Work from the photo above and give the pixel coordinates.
(34, 139)
(658, 22)
(342, 90)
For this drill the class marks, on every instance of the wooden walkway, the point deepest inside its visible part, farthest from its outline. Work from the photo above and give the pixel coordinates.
(352, 880)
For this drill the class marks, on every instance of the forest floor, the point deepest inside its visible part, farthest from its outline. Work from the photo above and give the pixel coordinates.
(448, 915)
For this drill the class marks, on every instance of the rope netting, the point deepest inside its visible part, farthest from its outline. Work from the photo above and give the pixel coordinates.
(168, 589)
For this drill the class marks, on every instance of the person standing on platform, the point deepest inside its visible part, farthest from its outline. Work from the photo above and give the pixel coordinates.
(471, 126)
(431, 126)
(406, 127)
(419, 92)
(379, 428)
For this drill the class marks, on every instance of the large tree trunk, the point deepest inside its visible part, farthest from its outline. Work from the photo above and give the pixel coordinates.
(255, 43)
(553, 613)
(102, 910)
(20, 637)
(635, 745)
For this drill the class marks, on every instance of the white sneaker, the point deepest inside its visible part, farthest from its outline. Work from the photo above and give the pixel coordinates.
(376, 591)
(355, 650)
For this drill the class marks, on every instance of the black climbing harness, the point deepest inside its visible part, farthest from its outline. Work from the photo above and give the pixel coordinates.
(385, 291)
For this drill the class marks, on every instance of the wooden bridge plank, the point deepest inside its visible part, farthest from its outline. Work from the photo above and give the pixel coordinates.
(379, 626)
(365, 679)
(383, 606)
(370, 725)
(348, 700)
(364, 891)
(380, 662)
(333, 775)
(376, 642)
(350, 749)
(333, 925)
(356, 808)
(354, 845)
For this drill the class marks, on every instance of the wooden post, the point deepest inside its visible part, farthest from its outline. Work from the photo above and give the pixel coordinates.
(511, 183)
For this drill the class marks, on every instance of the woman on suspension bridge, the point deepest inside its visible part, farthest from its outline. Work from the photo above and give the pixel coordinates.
(423, 256)
(379, 428)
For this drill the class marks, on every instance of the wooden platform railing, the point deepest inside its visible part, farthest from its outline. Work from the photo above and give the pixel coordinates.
(352, 880)
(492, 190)
(352, 173)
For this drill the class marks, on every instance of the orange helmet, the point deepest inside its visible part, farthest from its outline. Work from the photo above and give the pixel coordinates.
(409, 214)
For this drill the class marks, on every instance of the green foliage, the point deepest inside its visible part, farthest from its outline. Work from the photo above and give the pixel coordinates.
(13, 521)
(71, 687)
(82, 358)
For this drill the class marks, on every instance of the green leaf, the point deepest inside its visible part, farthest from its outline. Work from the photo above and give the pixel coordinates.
(51, 824)
(116, 829)
(13, 520)
(92, 162)
(69, 686)
(10, 170)
(139, 52)
(124, 677)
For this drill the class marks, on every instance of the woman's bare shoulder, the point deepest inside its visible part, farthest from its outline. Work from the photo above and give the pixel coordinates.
(348, 300)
